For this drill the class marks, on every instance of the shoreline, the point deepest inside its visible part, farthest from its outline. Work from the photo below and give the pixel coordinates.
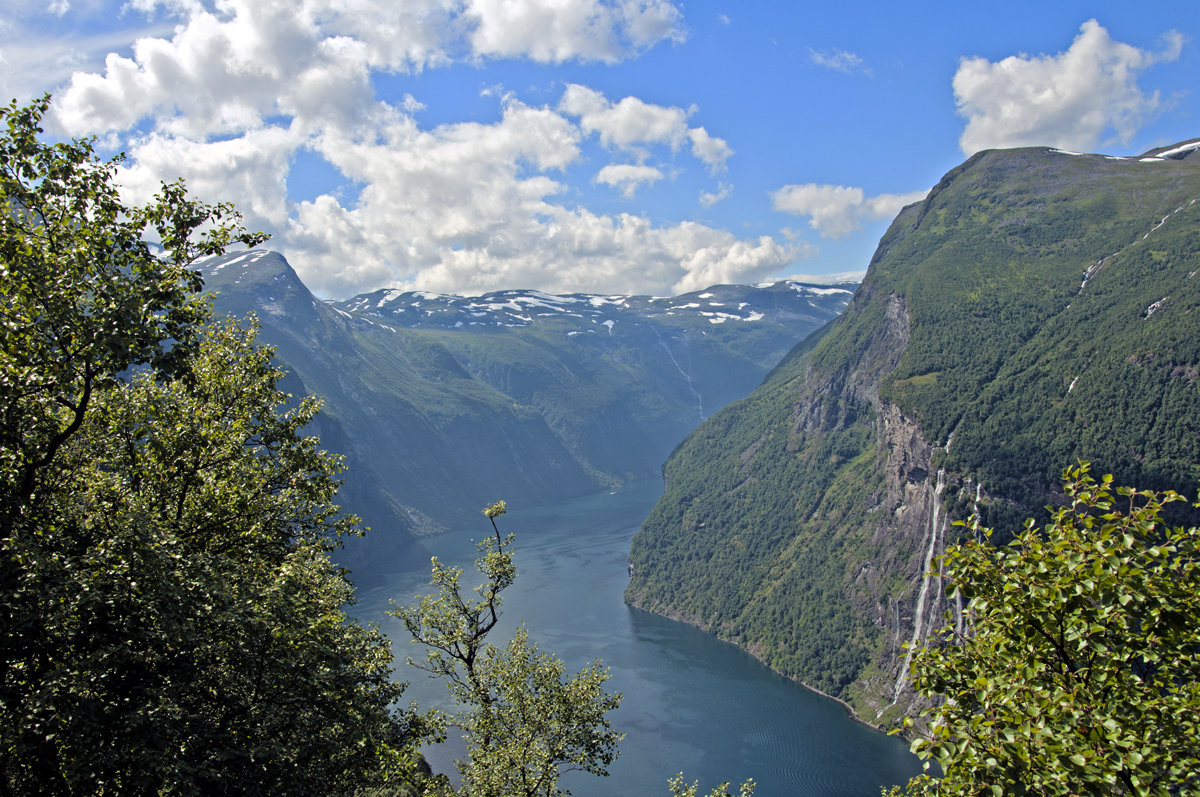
(700, 627)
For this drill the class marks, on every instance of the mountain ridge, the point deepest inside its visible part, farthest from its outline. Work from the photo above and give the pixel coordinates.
(1036, 307)
(442, 404)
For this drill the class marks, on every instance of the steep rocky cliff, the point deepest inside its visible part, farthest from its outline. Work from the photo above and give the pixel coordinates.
(1037, 307)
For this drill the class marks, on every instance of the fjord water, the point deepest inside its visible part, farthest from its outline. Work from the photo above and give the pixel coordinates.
(691, 703)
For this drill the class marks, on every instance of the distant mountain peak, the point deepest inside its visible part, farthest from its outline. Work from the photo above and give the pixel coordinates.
(259, 281)
(235, 265)
(441, 402)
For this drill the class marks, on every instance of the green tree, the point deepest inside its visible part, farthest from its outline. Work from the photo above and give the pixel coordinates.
(1077, 669)
(679, 788)
(525, 722)
(172, 623)
(85, 296)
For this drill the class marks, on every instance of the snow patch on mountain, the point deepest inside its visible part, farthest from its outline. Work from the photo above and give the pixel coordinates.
(717, 305)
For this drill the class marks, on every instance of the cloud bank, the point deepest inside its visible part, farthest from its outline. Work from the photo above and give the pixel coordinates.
(237, 91)
(631, 124)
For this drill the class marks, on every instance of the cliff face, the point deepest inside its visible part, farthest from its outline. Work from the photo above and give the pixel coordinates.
(1037, 307)
(853, 565)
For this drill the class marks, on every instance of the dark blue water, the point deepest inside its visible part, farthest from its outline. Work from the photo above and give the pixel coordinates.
(692, 704)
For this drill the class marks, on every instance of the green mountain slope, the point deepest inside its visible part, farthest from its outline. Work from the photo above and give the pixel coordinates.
(1037, 307)
(418, 432)
(442, 404)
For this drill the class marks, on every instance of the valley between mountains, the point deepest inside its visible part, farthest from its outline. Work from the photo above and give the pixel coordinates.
(1037, 307)
(442, 404)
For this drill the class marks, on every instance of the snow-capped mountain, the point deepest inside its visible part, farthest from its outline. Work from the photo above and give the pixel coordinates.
(593, 312)
(444, 403)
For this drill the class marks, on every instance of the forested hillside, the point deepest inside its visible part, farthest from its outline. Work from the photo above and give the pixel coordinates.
(1037, 307)
(443, 403)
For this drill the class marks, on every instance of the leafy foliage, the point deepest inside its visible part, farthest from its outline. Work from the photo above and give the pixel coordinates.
(524, 721)
(172, 622)
(84, 296)
(681, 789)
(1079, 669)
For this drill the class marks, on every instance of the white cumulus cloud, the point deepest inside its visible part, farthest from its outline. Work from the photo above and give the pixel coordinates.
(628, 177)
(222, 73)
(625, 124)
(249, 171)
(1074, 99)
(710, 149)
(710, 198)
(232, 92)
(553, 31)
(227, 68)
(836, 211)
(469, 207)
(633, 125)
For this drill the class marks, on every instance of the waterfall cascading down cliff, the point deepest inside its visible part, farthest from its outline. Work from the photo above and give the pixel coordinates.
(936, 541)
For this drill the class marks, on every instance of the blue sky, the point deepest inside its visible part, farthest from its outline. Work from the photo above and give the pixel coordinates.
(615, 146)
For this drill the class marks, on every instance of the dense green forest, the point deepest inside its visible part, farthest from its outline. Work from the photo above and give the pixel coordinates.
(1035, 308)
(1050, 322)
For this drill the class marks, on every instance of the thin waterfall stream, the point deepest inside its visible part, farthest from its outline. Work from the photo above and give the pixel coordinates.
(927, 576)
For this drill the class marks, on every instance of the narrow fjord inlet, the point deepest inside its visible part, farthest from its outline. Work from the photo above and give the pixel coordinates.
(618, 398)
(691, 702)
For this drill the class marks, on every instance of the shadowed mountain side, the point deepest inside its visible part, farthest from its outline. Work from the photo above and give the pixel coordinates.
(442, 404)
